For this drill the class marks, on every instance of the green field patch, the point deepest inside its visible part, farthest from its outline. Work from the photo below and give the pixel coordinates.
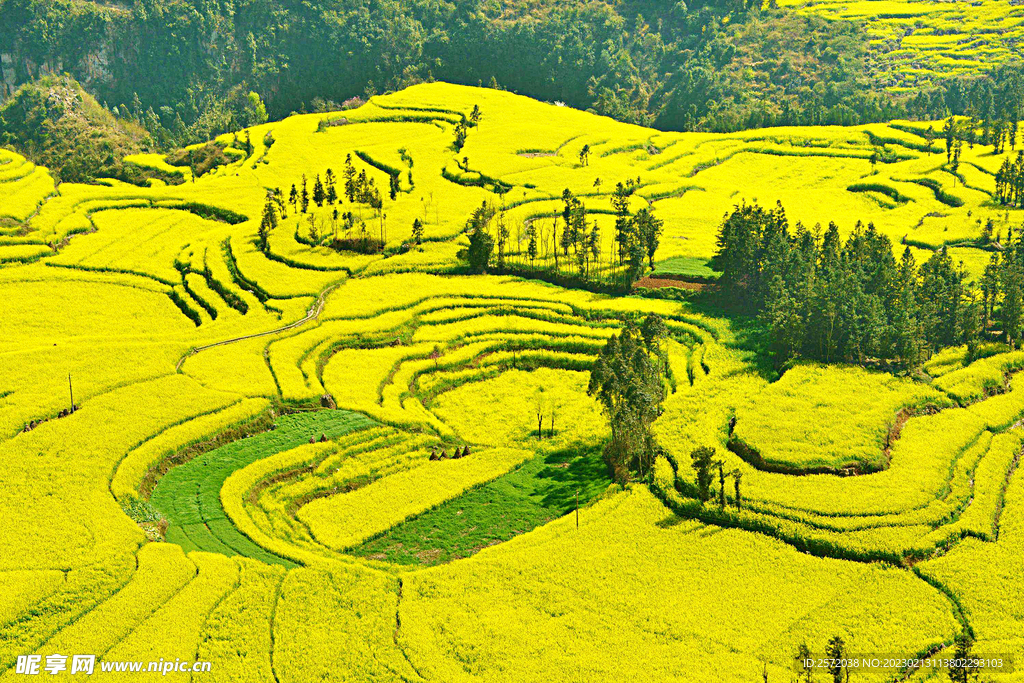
(189, 495)
(686, 266)
(880, 188)
(540, 490)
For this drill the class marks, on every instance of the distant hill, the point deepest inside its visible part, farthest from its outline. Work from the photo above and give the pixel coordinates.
(716, 65)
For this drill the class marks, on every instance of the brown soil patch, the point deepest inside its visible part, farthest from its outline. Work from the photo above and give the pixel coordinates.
(428, 556)
(662, 282)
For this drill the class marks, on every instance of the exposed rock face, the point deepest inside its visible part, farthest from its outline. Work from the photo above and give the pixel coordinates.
(8, 80)
(92, 71)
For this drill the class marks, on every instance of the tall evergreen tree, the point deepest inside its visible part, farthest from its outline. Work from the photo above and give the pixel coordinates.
(350, 179)
(318, 191)
(267, 223)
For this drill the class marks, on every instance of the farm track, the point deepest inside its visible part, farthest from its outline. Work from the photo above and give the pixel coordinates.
(314, 312)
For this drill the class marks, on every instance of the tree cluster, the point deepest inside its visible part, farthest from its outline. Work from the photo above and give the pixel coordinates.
(361, 189)
(324, 192)
(1001, 291)
(628, 379)
(834, 301)
(637, 236)
(481, 243)
(571, 251)
(358, 189)
(837, 653)
(704, 465)
(584, 240)
(1010, 182)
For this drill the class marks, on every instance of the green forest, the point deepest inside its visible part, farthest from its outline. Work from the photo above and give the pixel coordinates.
(715, 65)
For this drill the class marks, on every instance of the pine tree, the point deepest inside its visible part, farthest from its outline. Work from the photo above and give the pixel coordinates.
(1012, 288)
(829, 297)
(949, 134)
(329, 183)
(906, 336)
(304, 196)
(417, 231)
(594, 244)
(318, 192)
(940, 297)
(267, 223)
(836, 652)
(350, 179)
(502, 240)
(989, 289)
(620, 202)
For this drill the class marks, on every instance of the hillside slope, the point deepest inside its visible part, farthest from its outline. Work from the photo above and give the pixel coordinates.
(59, 125)
(165, 513)
(703, 65)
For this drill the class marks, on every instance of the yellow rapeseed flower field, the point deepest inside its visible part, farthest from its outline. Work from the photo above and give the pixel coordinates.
(145, 329)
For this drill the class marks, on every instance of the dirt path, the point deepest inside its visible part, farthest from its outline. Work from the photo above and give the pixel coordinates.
(314, 312)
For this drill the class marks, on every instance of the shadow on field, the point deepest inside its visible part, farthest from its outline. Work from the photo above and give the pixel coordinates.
(579, 468)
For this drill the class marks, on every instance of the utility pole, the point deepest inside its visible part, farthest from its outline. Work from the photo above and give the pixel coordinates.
(72, 392)
(721, 481)
(577, 508)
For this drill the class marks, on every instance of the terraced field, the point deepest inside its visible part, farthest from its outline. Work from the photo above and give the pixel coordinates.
(918, 41)
(290, 463)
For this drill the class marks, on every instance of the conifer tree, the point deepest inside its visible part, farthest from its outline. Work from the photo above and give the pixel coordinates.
(620, 202)
(837, 655)
(329, 186)
(267, 223)
(318, 192)
(350, 179)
